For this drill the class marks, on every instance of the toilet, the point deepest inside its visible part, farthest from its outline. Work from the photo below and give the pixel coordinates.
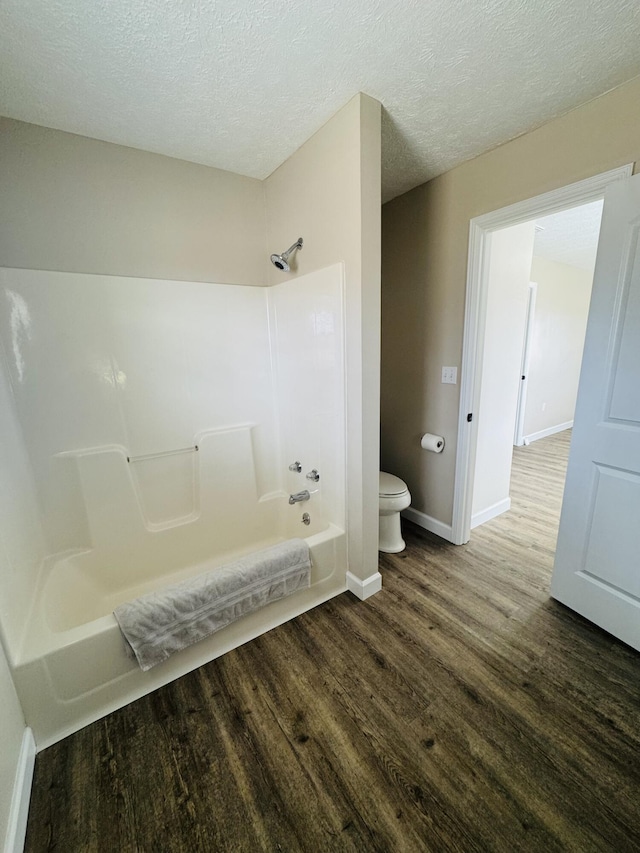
(394, 497)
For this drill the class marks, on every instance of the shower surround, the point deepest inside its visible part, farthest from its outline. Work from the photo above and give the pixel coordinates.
(156, 422)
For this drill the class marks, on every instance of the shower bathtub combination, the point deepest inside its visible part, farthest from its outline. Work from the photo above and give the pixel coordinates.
(164, 427)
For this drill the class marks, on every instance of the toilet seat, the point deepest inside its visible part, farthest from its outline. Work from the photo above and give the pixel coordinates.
(391, 486)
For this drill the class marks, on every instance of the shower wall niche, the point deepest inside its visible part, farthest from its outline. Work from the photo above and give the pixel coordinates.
(156, 422)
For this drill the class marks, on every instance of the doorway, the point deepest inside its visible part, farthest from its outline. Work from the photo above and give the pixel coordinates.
(534, 341)
(483, 232)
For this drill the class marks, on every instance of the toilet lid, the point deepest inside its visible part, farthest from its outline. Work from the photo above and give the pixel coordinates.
(391, 485)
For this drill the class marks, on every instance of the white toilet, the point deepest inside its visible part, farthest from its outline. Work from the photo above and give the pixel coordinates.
(394, 497)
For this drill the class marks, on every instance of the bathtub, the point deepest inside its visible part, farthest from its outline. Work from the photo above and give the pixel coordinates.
(160, 421)
(73, 666)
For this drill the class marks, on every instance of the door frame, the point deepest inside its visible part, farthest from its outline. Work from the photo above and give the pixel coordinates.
(518, 438)
(480, 230)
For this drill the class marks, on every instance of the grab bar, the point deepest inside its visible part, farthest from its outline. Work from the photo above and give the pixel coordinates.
(162, 453)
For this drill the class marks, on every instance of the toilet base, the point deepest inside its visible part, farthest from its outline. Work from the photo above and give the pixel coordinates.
(390, 536)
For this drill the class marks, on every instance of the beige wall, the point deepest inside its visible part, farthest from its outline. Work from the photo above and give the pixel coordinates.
(559, 327)
(424, 264)
(328, 192)
(11, 730)
(79, 205)
(507, 300)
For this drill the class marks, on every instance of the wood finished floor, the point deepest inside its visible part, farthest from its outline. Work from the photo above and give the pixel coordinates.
(458, 710)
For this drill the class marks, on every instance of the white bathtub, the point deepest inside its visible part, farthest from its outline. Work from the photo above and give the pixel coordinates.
(73, 666)
(160, 420)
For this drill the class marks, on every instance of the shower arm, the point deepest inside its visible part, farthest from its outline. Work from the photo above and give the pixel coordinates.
(296, 245)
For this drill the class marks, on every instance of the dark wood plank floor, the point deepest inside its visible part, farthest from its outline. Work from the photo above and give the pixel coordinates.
(460, 709)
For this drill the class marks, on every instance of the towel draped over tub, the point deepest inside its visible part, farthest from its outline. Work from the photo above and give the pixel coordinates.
(162, 622)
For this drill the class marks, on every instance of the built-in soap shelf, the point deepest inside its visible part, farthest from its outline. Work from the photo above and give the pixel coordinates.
(167, 486)
(211, 482)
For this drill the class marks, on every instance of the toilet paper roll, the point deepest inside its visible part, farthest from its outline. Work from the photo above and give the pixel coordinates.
(432, 442)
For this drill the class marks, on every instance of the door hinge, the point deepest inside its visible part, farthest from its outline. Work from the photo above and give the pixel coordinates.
(469, 417)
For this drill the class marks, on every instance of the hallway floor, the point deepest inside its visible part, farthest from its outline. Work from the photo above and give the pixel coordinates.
(459, 709)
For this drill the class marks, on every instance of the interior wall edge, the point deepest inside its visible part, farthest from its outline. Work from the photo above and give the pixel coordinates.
(318, 194)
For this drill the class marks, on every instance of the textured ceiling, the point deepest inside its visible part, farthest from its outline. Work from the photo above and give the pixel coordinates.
(570, 237)
(240, 85)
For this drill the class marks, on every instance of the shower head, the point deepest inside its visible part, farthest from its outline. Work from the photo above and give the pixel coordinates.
(282, 261)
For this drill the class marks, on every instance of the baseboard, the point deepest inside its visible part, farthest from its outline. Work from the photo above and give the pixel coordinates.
(17, 826)
(543, 433)
(490, 512)
(445, 531)
(364, 588)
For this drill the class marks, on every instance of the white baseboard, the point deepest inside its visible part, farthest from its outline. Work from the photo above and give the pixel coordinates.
(19, 812)
(490, 512)
(543, 433)
(364, 588)
(428, 523)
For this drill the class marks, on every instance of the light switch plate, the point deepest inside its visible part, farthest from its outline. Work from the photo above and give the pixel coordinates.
(449, 375)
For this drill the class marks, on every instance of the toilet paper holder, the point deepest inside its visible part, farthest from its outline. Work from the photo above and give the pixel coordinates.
(432, 442)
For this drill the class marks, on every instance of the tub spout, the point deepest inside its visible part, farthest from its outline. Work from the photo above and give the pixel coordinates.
(299, 496)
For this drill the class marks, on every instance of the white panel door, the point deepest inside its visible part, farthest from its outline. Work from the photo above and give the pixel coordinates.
(597, 568)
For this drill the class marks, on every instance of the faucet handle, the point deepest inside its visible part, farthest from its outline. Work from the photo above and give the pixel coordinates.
(295, 466)
(313, 475)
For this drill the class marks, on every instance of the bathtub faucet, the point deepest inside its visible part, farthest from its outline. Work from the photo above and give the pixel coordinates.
(299, 496)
